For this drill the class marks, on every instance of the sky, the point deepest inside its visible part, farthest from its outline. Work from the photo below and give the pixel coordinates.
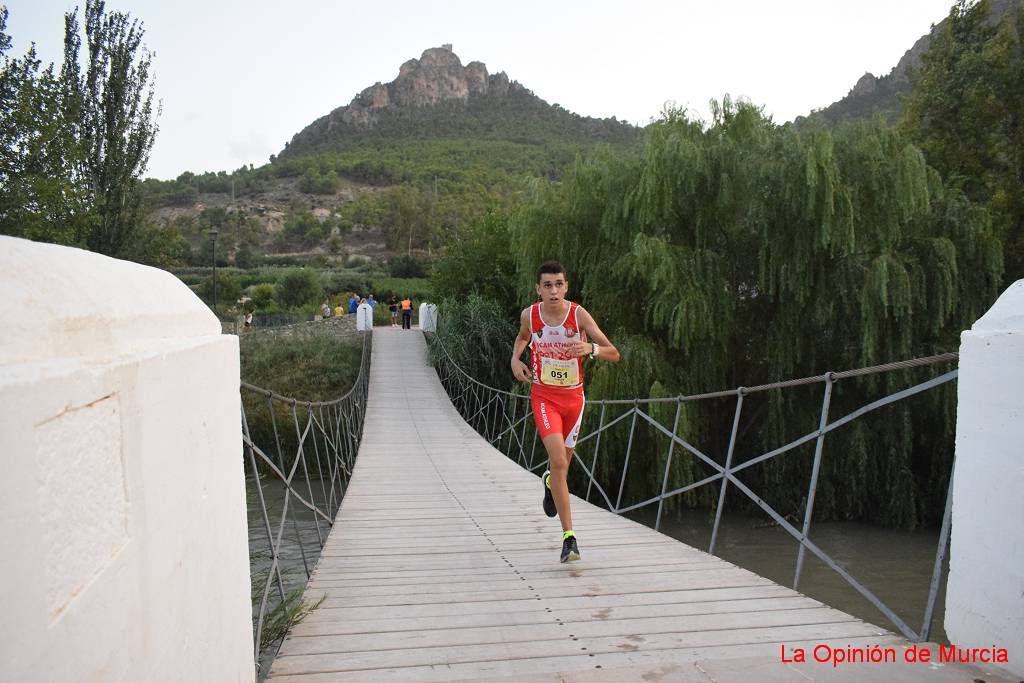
(238, 78)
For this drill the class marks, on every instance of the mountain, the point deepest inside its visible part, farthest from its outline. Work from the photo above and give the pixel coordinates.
(435, 96)
(872, 95)
(404, 167)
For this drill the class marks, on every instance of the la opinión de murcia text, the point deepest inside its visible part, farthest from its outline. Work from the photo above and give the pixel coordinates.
(878, 654)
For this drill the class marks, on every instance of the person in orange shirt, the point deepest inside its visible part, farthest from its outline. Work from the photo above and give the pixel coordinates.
(406, 305)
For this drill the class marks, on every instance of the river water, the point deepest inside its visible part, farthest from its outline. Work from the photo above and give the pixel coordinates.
(895, 565)
(298, 549)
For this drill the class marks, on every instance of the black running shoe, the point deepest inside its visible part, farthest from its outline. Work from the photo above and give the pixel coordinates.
(549, 502)
(570, 551)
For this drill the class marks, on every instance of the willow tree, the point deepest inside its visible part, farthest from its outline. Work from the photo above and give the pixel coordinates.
(741, 252)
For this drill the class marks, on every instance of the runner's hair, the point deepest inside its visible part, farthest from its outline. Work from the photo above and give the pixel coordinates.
(550, 268)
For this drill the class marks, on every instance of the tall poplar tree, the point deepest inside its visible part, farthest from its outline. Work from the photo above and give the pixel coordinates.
(117, 122)
(75, 142)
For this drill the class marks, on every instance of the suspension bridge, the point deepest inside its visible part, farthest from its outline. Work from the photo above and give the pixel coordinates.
(442, 566)
(406, 515)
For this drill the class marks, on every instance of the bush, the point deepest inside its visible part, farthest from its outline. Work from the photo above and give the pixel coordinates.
(478, 334)
(244, 257)
(406, 266)
(263, 297)
(228, 289)
(347, 282)
(298, 286)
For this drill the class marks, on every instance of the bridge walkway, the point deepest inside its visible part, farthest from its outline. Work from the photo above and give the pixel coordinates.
(443, 566)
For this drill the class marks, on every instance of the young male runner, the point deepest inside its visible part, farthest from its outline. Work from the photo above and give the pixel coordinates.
(559, 333)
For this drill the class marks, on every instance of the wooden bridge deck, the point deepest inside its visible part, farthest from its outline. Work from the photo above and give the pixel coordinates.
(443, 567)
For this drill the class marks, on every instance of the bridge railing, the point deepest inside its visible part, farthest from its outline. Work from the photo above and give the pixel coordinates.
(299, 456)
(505, 419)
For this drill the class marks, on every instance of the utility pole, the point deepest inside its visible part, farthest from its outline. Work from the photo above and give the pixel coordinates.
(213, 235)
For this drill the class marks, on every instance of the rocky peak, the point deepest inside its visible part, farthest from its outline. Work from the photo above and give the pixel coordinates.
(437, 76)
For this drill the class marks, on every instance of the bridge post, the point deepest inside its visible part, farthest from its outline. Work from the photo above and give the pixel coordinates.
(985, 589)
(124, 520)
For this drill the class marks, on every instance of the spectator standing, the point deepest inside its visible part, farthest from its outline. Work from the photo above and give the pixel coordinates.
(406, 313)
(393, 309)
(353, 304)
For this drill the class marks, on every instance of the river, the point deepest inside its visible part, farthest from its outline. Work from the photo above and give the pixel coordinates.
(894, 565)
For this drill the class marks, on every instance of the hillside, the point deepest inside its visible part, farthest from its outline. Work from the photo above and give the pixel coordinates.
(882, 95)
(402, 168)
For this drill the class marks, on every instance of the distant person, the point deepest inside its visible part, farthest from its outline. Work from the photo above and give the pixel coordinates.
(248, 320)
(339, 310)
(393, 309)
(373, 302)
(353, 304)
(325, 309)
(406, 305)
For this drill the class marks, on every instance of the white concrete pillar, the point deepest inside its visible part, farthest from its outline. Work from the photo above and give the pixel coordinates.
(364, 317)
(122, 497)
(428, 317)
(985, 590)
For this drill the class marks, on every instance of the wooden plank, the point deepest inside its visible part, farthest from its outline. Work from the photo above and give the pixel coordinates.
(324, 625)
(680, 665)
(564, 647)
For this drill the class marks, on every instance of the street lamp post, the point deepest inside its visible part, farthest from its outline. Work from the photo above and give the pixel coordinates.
(213, 235)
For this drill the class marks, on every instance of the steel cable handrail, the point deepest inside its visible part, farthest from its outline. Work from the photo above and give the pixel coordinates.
(479, 404)
(326, 440)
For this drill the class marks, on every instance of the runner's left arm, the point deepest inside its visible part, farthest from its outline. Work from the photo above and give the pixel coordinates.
(605, 349)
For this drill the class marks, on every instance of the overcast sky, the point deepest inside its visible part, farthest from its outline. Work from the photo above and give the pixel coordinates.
(237, 78)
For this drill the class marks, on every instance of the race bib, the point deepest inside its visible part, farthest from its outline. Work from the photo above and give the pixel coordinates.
(559, 373)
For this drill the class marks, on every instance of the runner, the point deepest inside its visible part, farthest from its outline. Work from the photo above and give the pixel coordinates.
(557, 331)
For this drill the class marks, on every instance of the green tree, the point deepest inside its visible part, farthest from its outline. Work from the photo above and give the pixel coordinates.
(162, 246)
(244, 258)
(408, 217)
(740, 253)
(264, 297)
(966, 113)
(228, 289)
(479, 260)
(298, 287)
(39, 197)
(118, 124)
(75, 144)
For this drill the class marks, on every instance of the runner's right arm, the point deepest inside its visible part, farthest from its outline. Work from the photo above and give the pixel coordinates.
(520, 369)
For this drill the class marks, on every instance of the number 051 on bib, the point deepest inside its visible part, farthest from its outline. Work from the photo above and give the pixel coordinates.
(559, 373)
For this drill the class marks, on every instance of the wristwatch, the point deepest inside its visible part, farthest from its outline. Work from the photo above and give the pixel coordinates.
(593, 350)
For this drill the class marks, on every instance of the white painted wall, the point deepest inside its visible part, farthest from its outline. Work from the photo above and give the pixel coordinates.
(985, 589)
(122, 497)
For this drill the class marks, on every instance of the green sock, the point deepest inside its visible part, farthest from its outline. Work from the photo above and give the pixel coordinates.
(568, 534)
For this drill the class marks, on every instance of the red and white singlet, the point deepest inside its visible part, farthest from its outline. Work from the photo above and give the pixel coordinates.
(553, 363)
(557, 392)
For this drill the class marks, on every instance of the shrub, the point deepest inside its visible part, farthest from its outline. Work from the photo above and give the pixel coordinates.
(228, 289)
(406, 266)
(263, 297)
(298, 286)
